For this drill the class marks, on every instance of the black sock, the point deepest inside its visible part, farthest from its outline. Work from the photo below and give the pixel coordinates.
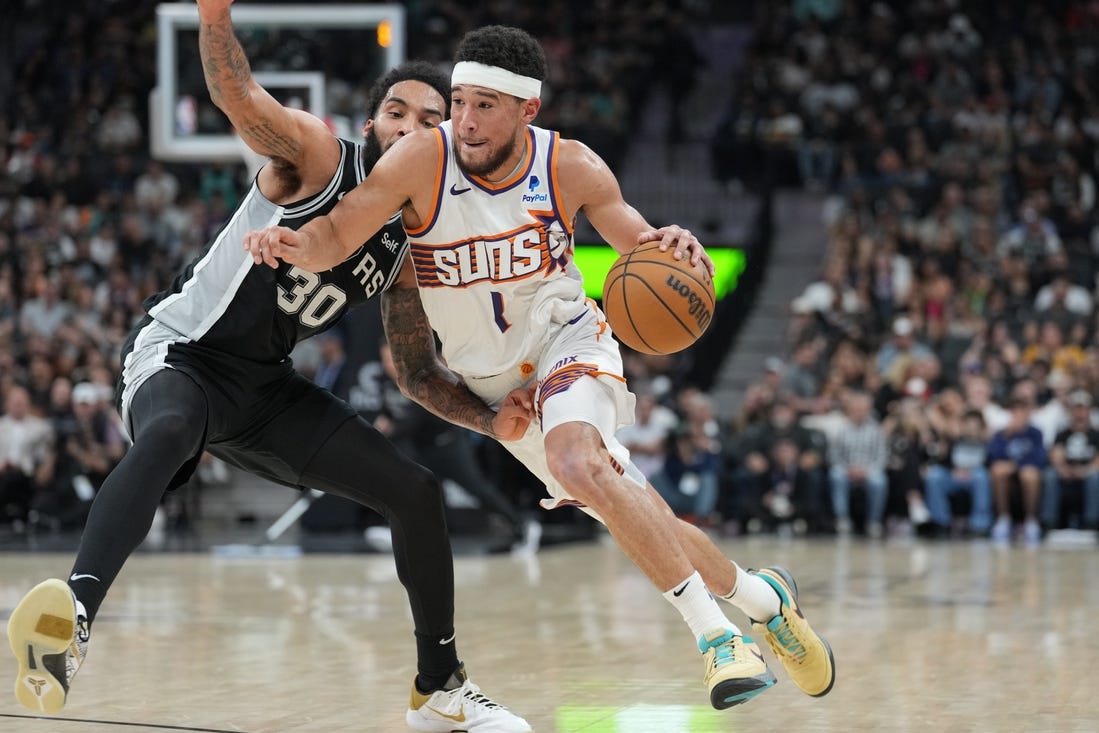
(436, 661)
(90, 592)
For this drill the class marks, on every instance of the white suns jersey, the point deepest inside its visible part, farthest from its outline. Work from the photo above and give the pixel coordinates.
(494, 261)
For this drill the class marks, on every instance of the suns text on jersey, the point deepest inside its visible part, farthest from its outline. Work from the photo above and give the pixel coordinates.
(509, 257)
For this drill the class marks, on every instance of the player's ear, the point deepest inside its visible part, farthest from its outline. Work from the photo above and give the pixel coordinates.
(529, 109)
(367, 127)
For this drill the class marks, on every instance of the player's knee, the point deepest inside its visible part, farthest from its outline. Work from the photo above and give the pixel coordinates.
(425, 485)
(420, 487)
(172, 430)
(581, 472)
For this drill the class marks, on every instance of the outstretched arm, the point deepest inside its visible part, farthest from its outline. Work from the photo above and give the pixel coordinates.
(424, 378)
(291, 138)
(403, 179)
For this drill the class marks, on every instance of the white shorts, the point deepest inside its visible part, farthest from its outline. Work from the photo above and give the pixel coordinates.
(579, 377)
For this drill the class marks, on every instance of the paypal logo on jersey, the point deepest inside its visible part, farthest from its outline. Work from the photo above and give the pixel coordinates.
(532, 197)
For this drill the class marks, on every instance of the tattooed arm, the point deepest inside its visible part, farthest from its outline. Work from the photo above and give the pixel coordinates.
(303, 151)
(424, 378)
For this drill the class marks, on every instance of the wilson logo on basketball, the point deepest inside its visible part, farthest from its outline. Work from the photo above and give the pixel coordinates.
(696, 306)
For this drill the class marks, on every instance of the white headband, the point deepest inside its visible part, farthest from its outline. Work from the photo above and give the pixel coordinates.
(493, 77)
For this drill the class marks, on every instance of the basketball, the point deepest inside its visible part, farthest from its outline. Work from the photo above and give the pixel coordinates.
(655, 303)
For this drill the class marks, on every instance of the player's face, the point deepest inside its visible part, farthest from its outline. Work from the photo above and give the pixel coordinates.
(488, 127)
(407, 106)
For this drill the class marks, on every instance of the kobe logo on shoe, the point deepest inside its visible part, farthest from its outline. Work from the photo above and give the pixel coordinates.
(37, 684)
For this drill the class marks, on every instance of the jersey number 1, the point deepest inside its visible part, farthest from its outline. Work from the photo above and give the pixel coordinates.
(498, 311)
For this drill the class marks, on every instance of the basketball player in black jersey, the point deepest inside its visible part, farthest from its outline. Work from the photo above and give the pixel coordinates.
(208, 369)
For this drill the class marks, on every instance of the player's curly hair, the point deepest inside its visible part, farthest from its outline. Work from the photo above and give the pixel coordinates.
(509, 48)
(409, 71)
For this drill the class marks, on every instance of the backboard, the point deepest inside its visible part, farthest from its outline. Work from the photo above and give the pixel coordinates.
(322, 58)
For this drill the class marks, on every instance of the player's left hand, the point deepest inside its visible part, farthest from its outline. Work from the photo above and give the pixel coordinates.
(268, 245)
(514, 415)
(682, 242)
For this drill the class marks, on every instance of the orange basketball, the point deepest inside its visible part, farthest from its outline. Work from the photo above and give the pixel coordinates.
(655, 303)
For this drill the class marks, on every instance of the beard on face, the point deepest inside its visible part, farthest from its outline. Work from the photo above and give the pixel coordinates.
(489, 165)
(372, 149)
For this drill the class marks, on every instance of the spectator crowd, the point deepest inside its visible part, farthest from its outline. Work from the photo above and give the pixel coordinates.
(942, 369)
(940, 373)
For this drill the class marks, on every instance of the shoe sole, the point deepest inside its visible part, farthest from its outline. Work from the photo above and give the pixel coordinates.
(42, 623)
(729, 693)
(788, 579)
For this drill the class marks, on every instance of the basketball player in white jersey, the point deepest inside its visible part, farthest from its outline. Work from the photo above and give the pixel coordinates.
(209, 369)
(489, 202)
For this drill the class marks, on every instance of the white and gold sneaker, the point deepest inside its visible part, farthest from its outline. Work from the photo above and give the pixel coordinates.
(462, 707)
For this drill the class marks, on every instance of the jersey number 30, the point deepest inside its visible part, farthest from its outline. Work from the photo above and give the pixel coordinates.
(313, 303)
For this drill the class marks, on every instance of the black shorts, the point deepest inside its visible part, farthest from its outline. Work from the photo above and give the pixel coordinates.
(263, 418)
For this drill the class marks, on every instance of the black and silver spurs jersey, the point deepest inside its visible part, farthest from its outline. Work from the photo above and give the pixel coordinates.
(223, 302)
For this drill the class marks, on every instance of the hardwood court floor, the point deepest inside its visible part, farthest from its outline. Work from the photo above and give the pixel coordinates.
(927, 637)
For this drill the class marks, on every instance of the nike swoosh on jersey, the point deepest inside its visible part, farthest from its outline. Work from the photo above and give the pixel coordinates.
(455, 191)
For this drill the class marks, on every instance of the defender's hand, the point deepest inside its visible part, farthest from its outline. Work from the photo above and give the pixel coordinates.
(268, 245)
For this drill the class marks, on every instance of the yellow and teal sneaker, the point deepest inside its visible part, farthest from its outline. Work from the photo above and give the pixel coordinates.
(804, 653)
(735, 670)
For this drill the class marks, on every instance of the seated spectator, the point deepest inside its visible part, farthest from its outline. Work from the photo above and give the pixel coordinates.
(961, 468)
(945, 414)
(978, 396)
(830, 291)
(689, 479)
(88, 448)
(647, 437)
(790, 496)
(1017, 453)
(1073, 472)
(43, 314)
(1061, 296)
(26, 456)
(857, 455)
(1033, 239)
(761, 463)
(801, 378)
(907, 435)
(902, 344)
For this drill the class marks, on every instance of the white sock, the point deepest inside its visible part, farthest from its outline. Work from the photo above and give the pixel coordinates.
(754, 595)
(697, 606)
